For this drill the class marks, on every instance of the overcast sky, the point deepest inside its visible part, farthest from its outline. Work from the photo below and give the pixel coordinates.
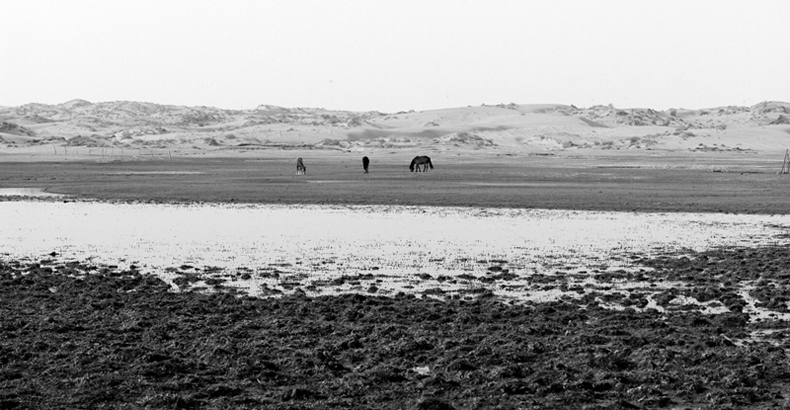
(396, 55)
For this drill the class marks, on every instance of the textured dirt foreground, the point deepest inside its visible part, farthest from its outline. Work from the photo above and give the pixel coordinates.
(81, 336)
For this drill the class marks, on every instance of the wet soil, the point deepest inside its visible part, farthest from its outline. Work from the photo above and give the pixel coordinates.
(77, 335)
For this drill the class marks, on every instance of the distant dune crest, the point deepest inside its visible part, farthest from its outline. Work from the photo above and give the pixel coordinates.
(507, 127)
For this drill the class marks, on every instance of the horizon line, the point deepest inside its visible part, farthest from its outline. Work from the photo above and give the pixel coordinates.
(385, 112)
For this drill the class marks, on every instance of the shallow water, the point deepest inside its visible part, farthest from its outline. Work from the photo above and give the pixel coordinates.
(393, 248)
(26, 192)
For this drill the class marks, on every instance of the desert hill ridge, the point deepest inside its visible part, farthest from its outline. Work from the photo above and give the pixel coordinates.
(508, 127)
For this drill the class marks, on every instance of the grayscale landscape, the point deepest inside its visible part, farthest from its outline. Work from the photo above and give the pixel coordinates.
(421, 205)
(558, 241)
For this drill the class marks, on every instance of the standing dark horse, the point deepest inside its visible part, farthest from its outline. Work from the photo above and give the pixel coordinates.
(300, 168)
(365, 163)
(420, 160)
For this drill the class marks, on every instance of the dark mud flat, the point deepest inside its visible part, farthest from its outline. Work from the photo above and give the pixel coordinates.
(76, 336)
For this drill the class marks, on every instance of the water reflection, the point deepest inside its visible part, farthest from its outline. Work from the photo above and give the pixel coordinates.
(27, 192)
(390, 247)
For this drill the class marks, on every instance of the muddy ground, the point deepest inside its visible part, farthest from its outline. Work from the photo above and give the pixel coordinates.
(81, 336)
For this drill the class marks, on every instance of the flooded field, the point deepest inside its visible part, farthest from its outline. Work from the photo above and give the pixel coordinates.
(515, 254)
(249, 306)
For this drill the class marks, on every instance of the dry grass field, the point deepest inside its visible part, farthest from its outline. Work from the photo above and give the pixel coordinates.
(592, 181)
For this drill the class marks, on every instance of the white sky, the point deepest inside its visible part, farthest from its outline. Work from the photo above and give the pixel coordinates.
(396, 55)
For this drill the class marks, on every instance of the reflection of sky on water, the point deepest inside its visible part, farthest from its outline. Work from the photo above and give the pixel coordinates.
(551, 254)
(328, 241)
(28, 192)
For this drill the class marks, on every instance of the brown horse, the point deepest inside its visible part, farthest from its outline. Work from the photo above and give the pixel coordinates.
(300, 168)
(420, 160)
(365, 163)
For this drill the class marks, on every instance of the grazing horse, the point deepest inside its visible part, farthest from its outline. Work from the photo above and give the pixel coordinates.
(420, 160)
(300, 168)
(365, 163)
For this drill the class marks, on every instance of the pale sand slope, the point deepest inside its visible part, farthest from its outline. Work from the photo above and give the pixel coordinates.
(79, 127)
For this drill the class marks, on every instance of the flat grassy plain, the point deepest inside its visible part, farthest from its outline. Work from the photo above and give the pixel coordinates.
(666, 182)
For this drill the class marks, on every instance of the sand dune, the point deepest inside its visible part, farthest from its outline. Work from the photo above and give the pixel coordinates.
(504, 127)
